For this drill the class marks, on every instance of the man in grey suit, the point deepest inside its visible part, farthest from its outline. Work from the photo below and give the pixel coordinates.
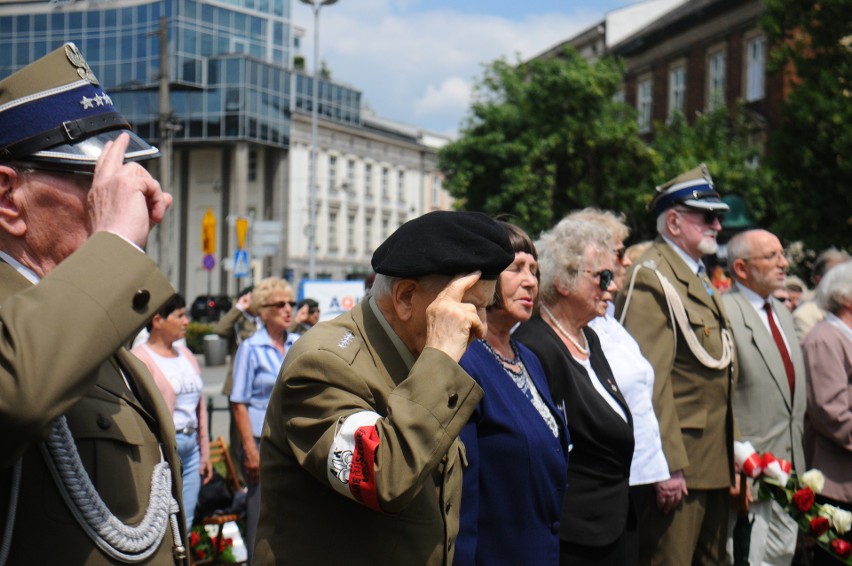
(769, 399)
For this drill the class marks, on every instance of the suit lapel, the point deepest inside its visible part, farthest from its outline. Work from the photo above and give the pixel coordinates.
(694, 285)
(765, 345)
(384, 352)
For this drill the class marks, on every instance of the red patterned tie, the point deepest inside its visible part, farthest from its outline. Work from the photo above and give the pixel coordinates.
(782, 348)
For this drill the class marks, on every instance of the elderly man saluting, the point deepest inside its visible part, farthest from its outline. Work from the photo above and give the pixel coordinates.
(89, 473)
(360, 457)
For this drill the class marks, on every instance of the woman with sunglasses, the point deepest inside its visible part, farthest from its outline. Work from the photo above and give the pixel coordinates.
(576, 265)
(255, 370)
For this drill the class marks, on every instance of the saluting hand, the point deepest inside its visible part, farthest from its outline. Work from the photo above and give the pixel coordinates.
(124, 199)
(451, 325)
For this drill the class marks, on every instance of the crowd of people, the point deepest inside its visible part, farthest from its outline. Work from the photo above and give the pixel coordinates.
(493, 399)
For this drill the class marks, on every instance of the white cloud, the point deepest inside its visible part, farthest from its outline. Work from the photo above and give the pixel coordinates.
(418, 66)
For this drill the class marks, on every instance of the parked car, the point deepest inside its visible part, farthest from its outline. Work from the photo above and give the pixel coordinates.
(208, 308)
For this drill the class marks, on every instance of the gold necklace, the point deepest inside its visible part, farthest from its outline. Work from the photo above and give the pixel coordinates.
(565, 333)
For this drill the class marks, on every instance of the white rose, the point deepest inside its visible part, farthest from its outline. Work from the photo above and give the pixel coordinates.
(841, 520)
(814, 480)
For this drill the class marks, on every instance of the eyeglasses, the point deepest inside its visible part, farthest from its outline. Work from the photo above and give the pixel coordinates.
(773, 257)
(619, 253)
(313, 311)
(26, 165)
(708, 216)
(604, 277)
(280, 305)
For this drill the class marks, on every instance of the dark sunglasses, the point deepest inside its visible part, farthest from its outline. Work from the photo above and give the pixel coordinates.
(604, 277)
(619, 253)
(708, 216)
(280, 305)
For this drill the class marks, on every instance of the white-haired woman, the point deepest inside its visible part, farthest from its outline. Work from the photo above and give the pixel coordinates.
(828, 362)
(255, 371)
(576, 265)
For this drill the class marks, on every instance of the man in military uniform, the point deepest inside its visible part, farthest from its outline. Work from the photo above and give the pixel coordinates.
(360, 458)
(680, 324)
(89, 473)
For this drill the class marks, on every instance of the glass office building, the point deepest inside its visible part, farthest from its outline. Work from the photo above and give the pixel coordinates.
(229, 64)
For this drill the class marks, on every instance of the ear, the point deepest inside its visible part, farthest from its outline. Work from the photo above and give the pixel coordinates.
(403, 294)
(673, 221)
(11, 219)
(156, 321)
(740, 270)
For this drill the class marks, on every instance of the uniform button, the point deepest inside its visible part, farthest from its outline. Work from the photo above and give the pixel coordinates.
(103, 422)
(453, 400)
(140, 299)
(448, 507)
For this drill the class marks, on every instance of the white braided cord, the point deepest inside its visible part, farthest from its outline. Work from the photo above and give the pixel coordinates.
(122, 542)
(678, 313)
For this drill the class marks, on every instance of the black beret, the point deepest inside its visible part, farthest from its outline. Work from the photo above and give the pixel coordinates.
(445, 243)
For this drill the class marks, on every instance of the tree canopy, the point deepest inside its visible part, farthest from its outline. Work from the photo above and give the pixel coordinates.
(547, 137)
(811, 149)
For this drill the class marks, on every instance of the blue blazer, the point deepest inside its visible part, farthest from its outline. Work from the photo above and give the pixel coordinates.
(515, 479)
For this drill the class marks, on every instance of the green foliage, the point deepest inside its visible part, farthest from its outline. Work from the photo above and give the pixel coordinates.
(811, 149)
(547, 137)
(721, 140)
(195, 333)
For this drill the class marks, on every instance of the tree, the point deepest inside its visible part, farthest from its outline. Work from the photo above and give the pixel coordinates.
(721, 140)
(547, 137)
(811, 149)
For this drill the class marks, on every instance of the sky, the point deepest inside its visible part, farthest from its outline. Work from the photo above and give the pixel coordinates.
(415, 61)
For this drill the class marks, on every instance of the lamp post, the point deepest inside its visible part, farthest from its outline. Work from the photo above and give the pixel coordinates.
(313, 189)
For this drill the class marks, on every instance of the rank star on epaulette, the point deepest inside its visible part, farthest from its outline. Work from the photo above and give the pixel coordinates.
(87, 103)
(99, 101)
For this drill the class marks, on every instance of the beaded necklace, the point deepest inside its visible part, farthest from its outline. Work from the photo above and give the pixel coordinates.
(515, 361)
(567, 334)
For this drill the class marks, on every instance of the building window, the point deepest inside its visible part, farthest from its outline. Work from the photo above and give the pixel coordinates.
(436, 190)
(350, 232)
(385, 226)
(677, 90)
(332, 231)
(400, 187)
(368, 179)
(385, 175)
(644, 101)
(252, 165)
(755, 68)
(332, 173)
(368, 234)
(716, 80)
(350, 175)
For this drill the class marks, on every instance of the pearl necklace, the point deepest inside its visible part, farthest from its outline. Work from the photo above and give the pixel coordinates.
(565, 333)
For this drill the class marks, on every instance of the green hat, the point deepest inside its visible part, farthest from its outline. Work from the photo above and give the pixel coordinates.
(54, 112)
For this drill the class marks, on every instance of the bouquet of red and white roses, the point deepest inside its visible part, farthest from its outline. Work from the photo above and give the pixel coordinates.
(775, 480)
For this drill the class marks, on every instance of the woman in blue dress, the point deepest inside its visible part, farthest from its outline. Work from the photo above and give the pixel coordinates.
(516, 443)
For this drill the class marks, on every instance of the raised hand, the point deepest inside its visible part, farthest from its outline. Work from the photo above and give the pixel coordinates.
(124, 199)
(451, 324)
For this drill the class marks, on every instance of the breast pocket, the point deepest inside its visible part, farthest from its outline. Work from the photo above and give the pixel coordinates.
(706, 328)
(118, 452)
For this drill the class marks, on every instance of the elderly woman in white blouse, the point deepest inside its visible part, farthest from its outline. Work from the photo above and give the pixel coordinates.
(633, 373)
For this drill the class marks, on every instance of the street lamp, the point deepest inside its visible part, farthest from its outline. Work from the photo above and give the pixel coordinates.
(313, 189)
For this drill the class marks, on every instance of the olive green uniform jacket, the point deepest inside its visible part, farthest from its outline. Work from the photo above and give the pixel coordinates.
(693, 403)
(341, 368)
(60, 347)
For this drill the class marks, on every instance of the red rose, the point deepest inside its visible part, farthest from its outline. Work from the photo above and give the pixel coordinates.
(841, 548)
(804, 499)
(199, 553)
(819, 525)
(194, 538)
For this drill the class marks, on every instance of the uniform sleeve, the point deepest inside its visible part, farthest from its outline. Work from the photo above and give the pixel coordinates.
(647, 320)
(55, 334)
(336, 432)
(828, 389)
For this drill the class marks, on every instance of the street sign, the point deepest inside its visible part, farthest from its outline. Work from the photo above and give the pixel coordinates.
(241, 264)
(208, 233)
(209, 262)
(267, 232)
(242, 229)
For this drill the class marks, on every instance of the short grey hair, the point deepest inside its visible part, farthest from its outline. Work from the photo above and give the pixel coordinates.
(560, 254)
(835, 288)
(828, 259)
(612, 221)
(383, 284)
